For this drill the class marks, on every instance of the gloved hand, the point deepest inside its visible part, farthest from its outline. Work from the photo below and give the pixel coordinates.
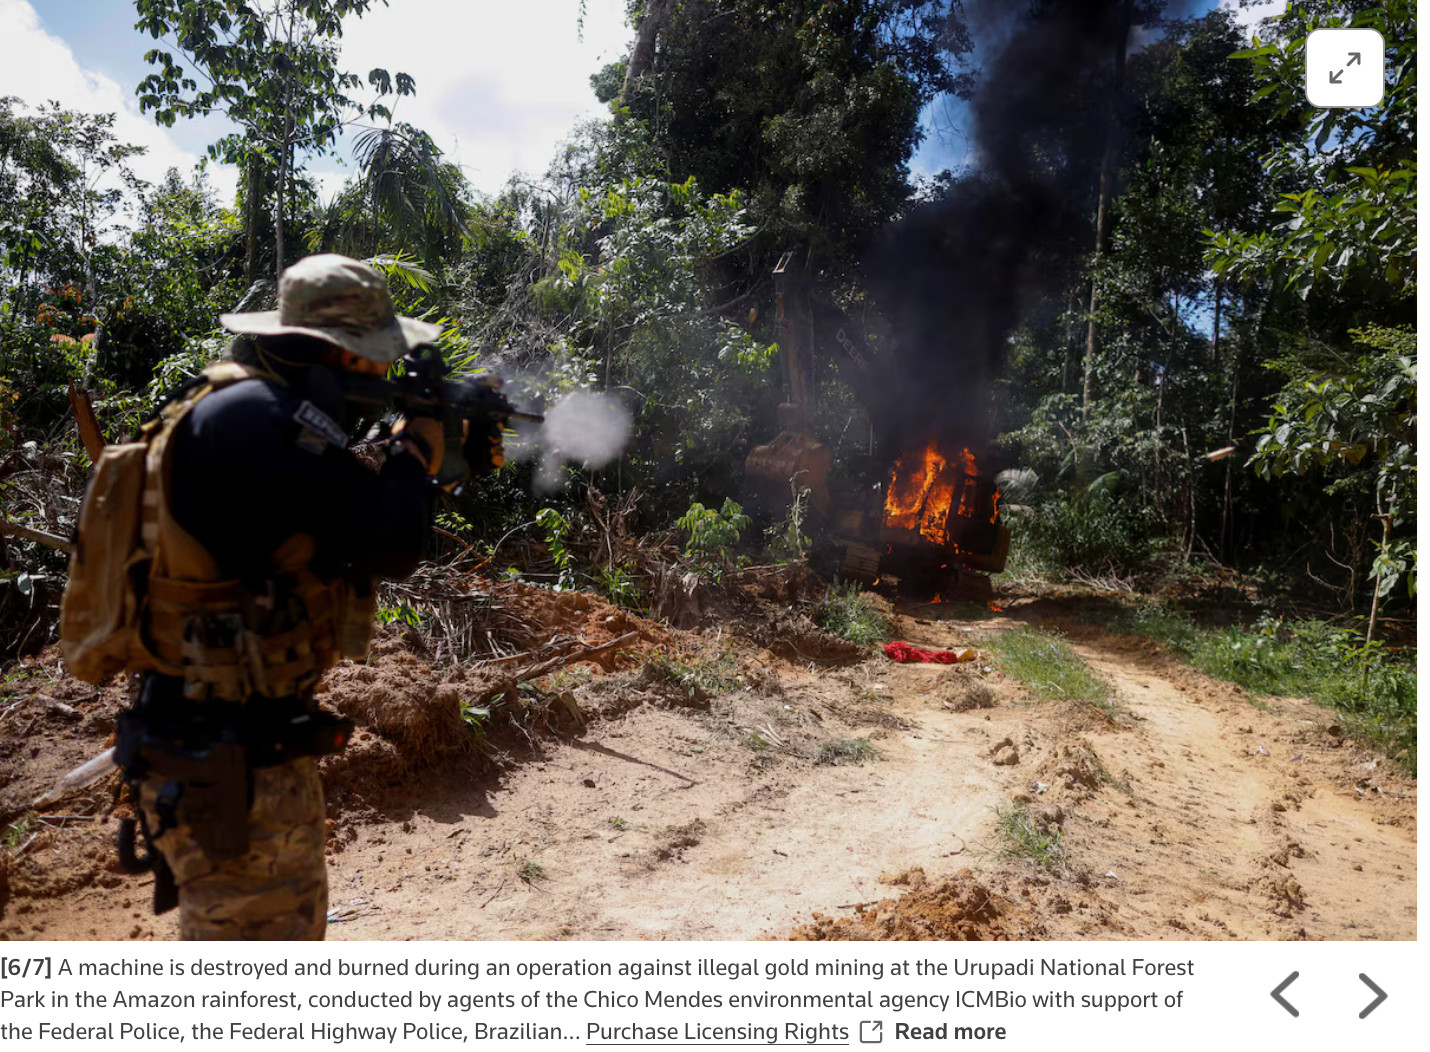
(482, 447)
(424, 437)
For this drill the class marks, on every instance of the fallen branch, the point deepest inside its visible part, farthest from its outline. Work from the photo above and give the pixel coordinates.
(559, 648)
(562, 660)
(82, 777)
(39, 536)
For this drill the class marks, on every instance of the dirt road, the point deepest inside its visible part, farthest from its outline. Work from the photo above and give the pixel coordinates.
(1189, 813)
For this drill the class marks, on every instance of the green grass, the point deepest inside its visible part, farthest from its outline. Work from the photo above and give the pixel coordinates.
(1025, 567)
(1023, 839)
(850, 612)
(1047, 666)
(531, 872)
(618, 823)
(1310, 659)
(845, 750)
(13, 680)
(698, 677)
(16, 833)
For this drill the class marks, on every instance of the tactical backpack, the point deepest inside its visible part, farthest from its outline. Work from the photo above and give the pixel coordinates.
(144, 595)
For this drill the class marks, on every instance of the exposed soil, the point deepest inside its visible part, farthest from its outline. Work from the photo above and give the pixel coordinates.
(670, 810)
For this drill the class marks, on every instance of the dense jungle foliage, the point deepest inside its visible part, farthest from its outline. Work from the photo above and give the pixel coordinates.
(1211, 361)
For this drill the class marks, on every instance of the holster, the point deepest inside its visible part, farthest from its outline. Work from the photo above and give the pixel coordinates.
(207, 789)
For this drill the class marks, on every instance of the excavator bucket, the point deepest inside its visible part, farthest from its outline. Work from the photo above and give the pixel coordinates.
(794, 461)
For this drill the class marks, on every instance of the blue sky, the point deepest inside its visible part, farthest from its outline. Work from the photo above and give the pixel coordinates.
(499, 86)
(948, 143)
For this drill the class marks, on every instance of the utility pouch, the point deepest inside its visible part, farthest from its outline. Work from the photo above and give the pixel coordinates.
(213, 792)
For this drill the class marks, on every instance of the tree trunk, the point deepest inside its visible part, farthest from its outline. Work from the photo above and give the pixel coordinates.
(1233, 364)
(285, 146)
(278, 214)
(643, 51)
(86, 241)
(20, 285)
(1112, 145)
(250, 249)
(1374, 602)
(278, 209)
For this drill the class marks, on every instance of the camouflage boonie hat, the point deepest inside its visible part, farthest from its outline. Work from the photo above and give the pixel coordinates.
(342, 301)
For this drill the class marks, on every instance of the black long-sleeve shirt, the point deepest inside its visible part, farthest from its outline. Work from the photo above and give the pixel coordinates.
(247, 475)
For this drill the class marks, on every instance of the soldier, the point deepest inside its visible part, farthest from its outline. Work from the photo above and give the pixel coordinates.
(265, 534)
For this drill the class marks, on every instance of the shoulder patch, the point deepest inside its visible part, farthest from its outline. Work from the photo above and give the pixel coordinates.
(315, 422)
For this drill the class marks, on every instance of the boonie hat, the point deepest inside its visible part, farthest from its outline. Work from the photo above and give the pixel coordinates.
(342, 301)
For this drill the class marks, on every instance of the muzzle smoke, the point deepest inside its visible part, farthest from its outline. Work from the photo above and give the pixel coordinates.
(584, 428)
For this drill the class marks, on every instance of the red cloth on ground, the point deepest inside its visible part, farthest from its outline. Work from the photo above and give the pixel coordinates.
(901, 651)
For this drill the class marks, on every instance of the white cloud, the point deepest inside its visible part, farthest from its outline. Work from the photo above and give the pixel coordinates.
(498, 85)
(38, 67)
(1250, 17)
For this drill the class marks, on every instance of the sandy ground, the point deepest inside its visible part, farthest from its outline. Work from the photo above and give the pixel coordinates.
(1190, 813)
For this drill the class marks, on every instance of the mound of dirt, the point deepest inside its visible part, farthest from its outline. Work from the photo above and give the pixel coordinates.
(961, 692)
(370, 761)
(407, 702)
(612, 696)
(797, 639)
(959, 909)
(1074, 766)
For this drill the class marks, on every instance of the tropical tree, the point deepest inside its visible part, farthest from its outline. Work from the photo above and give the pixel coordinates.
(1345, 250)
(405, 198)
(272, 68)
(810, 109)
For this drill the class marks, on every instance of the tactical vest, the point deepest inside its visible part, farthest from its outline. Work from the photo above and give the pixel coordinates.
(144, 595)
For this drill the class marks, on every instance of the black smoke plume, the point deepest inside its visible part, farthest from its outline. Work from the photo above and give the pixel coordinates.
(951, 276)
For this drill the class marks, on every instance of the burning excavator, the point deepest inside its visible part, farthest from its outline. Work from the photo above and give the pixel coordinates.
(930, 529)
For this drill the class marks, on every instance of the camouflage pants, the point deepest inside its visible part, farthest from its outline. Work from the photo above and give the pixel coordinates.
(279, 889)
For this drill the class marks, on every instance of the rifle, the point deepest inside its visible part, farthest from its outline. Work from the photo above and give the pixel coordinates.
(423, 389)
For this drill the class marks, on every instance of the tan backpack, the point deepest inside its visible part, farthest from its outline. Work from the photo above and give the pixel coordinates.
(100, 614)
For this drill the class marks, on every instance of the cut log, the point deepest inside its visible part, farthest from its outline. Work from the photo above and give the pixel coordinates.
(89, 432)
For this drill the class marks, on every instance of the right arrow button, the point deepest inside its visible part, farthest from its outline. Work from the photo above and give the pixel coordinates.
(1380, 995)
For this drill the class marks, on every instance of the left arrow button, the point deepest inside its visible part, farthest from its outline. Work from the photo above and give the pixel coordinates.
(1276, 994)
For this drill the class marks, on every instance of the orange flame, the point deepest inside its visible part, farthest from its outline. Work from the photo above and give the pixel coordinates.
(922, 489)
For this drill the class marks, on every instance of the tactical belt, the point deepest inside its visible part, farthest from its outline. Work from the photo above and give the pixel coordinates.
(205, 755)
